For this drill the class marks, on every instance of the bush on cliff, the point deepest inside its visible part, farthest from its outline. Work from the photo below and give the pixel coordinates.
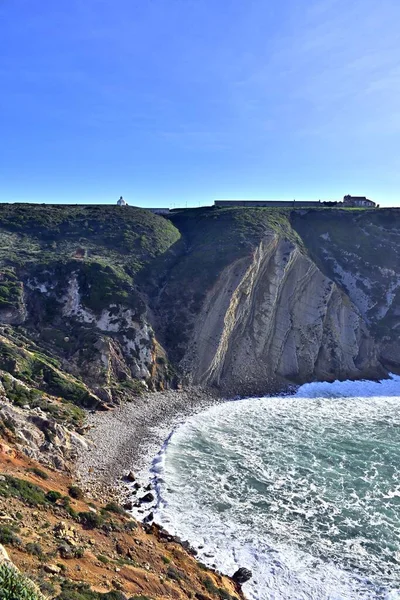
(14, 585)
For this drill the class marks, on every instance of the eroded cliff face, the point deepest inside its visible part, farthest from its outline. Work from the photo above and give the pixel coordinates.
(361, 253)
(111, 344)
(274, 318)
(246, 301)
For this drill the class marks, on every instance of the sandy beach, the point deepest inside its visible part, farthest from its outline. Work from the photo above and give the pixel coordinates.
(128, 437)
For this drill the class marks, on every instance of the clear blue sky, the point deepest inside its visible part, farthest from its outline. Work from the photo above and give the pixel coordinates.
(175, 101)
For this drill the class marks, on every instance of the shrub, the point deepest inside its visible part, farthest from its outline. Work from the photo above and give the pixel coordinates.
(75, 492)
(82, 591)
(130, 526)
(71, 512)
(173, 573)
(66, 551)
(90, 520)
(7, 536)
(65, 502)
(14, 585)
(112, 526)
(79, 552)
(6, 427)
(29, 493)
(52, 496)
(115, 508)
(213, 589)
(39, 472)
(33, 548)
(47, 588)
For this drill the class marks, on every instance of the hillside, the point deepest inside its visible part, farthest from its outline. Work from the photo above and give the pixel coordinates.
(68, 284)
(74, 548)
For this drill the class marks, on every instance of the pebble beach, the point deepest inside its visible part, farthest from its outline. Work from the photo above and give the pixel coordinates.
(128, 437)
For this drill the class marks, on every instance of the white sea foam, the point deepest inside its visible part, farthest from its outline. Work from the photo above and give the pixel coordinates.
(303, 490)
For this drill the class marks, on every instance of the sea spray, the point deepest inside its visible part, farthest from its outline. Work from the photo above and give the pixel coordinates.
(303, 490)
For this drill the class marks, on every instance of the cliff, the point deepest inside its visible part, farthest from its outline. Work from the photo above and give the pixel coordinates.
(254, 303)
(243, 300)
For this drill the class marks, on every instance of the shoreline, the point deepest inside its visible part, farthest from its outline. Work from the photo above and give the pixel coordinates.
(129, 437)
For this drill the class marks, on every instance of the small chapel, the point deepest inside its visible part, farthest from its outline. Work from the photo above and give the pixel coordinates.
(122, 202)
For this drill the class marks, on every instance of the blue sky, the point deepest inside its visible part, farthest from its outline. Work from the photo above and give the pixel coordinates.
(169, 102)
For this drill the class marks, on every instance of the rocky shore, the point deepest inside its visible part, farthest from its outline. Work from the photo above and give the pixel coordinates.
(129, 436)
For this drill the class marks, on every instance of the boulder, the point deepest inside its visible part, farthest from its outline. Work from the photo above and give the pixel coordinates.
(66, 551)
(3, 555)
(52, 569)
(149, 497)
(130, 476)
(149, 518)
(242, 575)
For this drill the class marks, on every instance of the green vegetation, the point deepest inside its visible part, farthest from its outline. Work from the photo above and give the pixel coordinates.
(129, 237)
(10, 289)
(90, 520)
(102, 285)
(7, 427)
(82, 591)
(8, 535)
(213, 589)
(39, 473)
(52, 496)
(20, 395)
(34, 549)
(38, 371)
(75, 492)
(114, 508)
(29, 493)
(176, 574)
(15, 586)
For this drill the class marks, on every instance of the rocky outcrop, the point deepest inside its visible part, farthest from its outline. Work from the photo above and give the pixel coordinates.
(242, 575)
(111, 346)
(41, 437)
(275, 318)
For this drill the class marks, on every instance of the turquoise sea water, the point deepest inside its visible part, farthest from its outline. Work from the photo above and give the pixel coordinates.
(303, 490)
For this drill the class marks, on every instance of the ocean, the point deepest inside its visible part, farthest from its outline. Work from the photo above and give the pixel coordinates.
(304, 490)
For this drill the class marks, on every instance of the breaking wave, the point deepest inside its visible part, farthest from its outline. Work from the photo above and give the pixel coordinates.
(303, 490)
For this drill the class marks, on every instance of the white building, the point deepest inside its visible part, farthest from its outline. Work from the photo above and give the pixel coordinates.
(358, 201)
(122, 202)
